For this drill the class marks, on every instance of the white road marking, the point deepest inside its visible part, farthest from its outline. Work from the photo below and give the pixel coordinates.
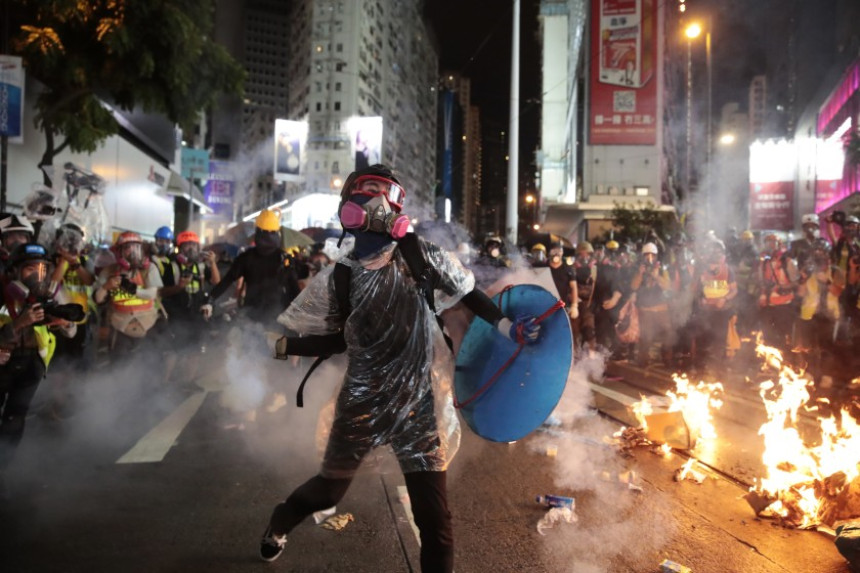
(403, 496)
(158, 441)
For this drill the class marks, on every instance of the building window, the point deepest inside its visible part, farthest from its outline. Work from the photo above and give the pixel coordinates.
(640, 191)
(337, 86)
(335, 167)
(339, 67)
(339, 47)
(319, 106)
(337, 106)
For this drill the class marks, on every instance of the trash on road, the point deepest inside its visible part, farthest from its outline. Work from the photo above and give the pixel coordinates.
(686, 472)
(667, 566)
(337, 522)
(551, 450)
(556, 501)
(628, 478)
(554, 516)
(848, 543)
(670, 428)
(320, 516)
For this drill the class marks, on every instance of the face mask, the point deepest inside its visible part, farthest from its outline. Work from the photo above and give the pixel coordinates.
(162, 247)
(188, 253)
(374, 215)
(131, 257)
(267, 241)
(36, 278)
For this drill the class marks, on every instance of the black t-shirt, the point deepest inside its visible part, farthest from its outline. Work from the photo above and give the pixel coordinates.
(270, 282)
(562, 276)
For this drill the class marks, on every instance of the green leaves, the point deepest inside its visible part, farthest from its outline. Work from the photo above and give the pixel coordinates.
(153, 54)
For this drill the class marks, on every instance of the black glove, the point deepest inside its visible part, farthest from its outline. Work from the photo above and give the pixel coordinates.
(128, 286)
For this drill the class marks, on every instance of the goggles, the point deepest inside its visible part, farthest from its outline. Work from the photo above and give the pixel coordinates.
(374, 186)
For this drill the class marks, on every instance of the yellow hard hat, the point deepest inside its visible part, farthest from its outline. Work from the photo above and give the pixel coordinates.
(538, 247)
(269, 220)
(747, 235)
(612, 246)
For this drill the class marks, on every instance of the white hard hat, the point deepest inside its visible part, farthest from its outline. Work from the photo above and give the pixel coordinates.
(809, 219)
(649, 248)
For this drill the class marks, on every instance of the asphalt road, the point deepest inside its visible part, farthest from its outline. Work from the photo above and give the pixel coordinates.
(160, 479)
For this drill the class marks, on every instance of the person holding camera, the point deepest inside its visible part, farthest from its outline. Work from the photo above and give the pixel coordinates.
(651, 286)
(130, 288)
(34, 311)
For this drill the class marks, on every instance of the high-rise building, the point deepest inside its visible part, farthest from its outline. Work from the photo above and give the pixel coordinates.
(352, 59)
(458, 154)
(758, 106)
(256, 33)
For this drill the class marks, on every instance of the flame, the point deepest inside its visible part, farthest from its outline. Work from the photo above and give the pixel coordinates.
(641, 409)
(804, 474)
(685, 469)
(696, 403)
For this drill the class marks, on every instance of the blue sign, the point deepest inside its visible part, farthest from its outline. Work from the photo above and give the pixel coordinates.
(195, 163)
(11, 97)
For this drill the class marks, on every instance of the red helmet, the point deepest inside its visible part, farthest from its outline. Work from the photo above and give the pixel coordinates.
(132, 257)
(187, 237)
(128, 237)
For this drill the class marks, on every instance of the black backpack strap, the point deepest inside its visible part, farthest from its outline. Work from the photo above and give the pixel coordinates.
(342, 275)
(300, 400)
(425, 276)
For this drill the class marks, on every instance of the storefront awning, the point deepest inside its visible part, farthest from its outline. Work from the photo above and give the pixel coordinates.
(178, 186)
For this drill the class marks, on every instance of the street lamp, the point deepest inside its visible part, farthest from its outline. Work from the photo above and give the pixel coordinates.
(693, 31)
(727, 139)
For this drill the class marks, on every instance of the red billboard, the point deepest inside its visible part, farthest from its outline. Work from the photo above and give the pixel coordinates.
(772, 206)
(623, 72)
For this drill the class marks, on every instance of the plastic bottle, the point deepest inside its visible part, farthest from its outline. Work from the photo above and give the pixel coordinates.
(556, 501)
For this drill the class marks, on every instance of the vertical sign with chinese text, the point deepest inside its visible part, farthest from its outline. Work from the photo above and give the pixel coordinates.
(12, 98)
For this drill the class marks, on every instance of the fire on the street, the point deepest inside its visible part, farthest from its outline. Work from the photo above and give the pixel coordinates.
(809, 479)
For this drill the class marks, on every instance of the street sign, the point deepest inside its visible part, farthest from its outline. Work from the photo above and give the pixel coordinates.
(195, 163)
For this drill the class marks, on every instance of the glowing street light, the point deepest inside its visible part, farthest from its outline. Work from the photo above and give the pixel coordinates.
(727, 139)
(530, 198)
(693, 31)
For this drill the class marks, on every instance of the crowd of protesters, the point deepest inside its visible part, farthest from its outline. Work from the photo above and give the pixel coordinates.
(685, 303)
(697, 304)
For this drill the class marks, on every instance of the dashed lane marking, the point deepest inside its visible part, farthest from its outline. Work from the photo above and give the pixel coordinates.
(157, 442)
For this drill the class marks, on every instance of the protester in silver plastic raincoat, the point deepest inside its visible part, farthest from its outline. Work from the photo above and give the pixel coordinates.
(397, 387)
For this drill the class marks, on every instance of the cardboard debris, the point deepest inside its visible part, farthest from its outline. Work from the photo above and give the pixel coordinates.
(322, 515)
(337, 522)
(670, 428)
(686, 472)
(759, 501)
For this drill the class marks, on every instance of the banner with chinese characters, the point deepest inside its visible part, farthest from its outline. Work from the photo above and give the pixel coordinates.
(772, 206)
(623, 74)
(219, 188)
(12, 98)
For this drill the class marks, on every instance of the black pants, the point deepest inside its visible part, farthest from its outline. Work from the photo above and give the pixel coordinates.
(427, 494)
(19, 380)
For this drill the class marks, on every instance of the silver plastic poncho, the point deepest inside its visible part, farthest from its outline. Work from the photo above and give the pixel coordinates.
(397, 387)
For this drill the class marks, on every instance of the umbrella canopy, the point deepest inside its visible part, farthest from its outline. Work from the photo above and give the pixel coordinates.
(242, 234)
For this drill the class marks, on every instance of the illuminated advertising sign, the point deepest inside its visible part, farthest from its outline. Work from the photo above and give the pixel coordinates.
(366, 135)
(219, 188)
(623, 72)
(829, 168)
(773, 168)
(290, 139)
(11, 98)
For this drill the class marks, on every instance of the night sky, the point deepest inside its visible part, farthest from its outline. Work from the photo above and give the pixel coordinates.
(476, 42)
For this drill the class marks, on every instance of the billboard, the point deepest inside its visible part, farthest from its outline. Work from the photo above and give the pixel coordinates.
(220, 188)
(773, 172)
(195, 163)
(366, 136)
(12, 98)
(623, 72)
(290, 139)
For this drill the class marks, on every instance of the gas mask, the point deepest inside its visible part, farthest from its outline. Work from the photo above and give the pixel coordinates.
(374, 206)
(70, 241)
(163, 247)
(131, 257)
(33, 282)
(189, 253)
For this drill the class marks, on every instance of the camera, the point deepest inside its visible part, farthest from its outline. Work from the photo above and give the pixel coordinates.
(72, 312)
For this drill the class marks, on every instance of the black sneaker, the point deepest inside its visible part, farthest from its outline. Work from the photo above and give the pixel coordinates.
(271, 546)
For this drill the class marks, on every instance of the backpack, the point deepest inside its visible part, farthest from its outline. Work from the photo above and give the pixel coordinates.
(423, 273)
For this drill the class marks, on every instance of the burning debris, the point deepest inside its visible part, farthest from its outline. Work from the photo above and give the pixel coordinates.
(686, 472)
(809, 480)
